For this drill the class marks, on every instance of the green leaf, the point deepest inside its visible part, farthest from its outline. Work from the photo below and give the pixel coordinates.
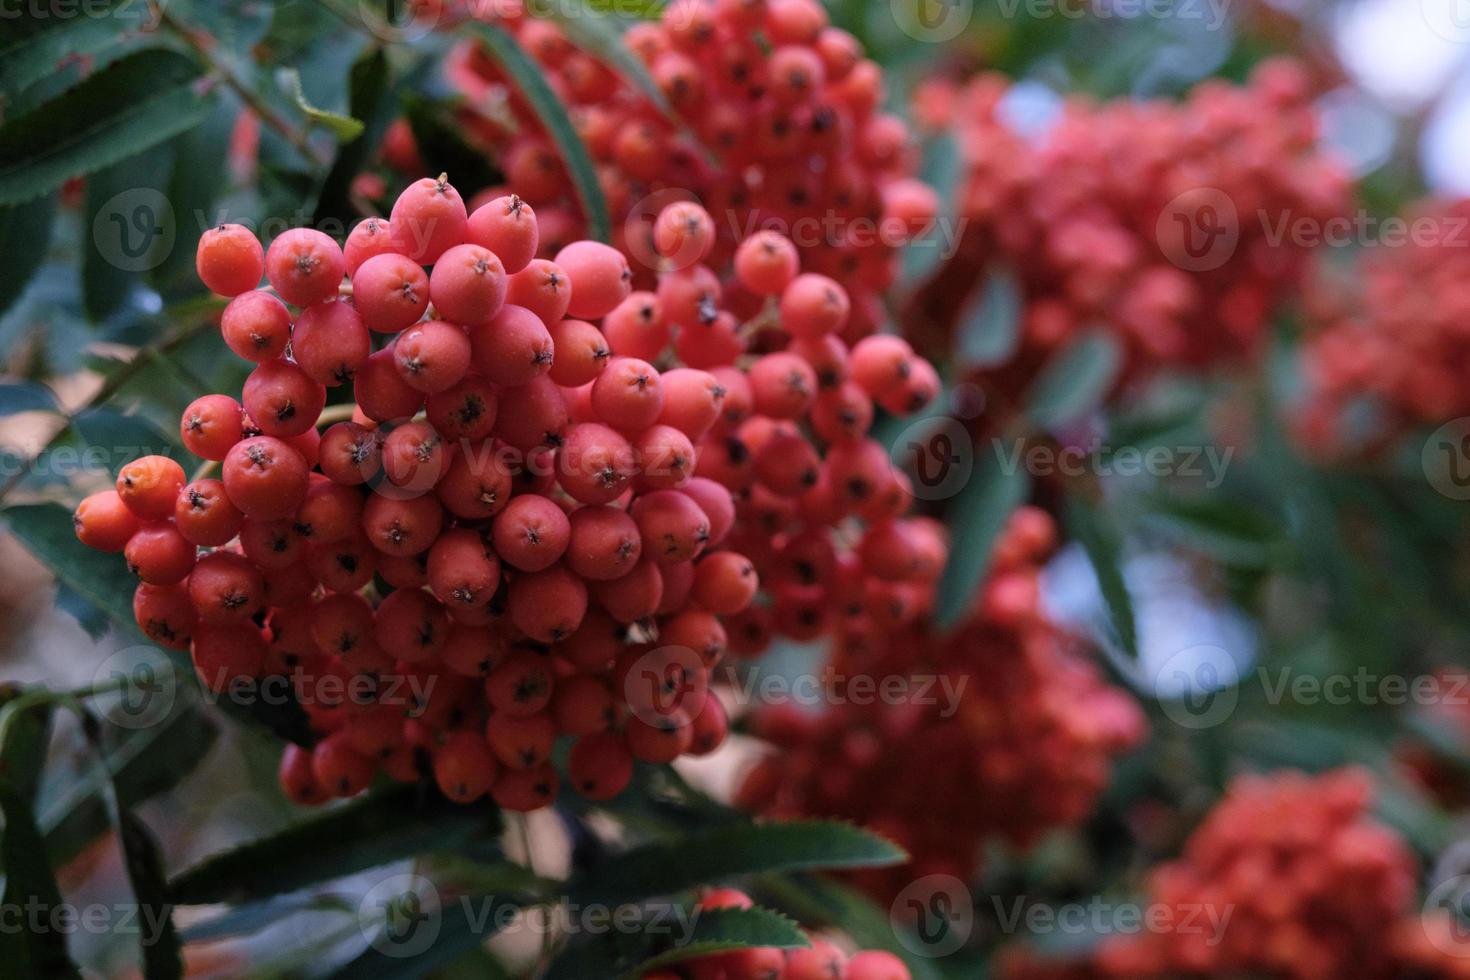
(23, 753)
(990, 327)
(1075, 381)
(123, 231)
(1091, 529)
(726, 929)
(29, 881)
(144, 763)
(671, 866)
(1224, 529)
(666, 940)
(252, 917)
(345, 128)
(120, 437)
(815, 899)
(26, 396)
(104, 581)
(463, 925)
(529, 78)
(25, 234)
(376, 829)
(367, 100)
(40, 55)
(158, 938)
(138, 102)
(978, 514)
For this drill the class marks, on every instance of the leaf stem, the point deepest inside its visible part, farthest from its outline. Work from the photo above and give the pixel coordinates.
(225, 72)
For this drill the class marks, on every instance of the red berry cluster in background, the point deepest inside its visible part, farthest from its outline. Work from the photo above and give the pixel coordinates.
(1314, 887)
(822, 960)
(1030, 738)
(1109, 217)
(1388, 334)
(523, 514)
(774, 121)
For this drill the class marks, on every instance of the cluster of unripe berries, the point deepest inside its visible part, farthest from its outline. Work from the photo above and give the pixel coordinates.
(1314, 888)
(822, 960)
(1031, 730)
(524, 530)
(1388, 348)
(774, 120)
(1172, 225)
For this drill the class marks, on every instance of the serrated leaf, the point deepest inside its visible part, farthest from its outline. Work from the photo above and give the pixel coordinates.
(252, 917)
(138, 102)
(1228, 531)
(162, 953)
(725, 929)
(104, 581)
(1075, 381)
(1100, 541)
(121, 438)
(144, 763)
(29, 882)
(25, 234)
(463, 925)
(666, 940)
(40, 55)
(26, 396)
(529, 78)
(690, 860)
(377, 829)
(345, 128)
(978, 514)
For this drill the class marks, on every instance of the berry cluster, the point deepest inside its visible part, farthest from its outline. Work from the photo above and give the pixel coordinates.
(774, 121)
(1389, 335)
(822, 960)
(1314, 886)
(524, 518)
(1031, 733)
(1155, 220)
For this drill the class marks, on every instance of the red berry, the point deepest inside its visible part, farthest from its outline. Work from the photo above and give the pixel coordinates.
(543, 288)
(330, 342)
(282, 399)
(150, 485)
(628, 395)
(159, 555)
(506, 226)
(305, 266)
(256, 326)
(464, 767)
(369, 237)
(211, 425)
(402, 527)
(391, 292)
(427, 220)
(468, 285)
(599, 275)
(350, 454)
(600, 766)
(512, 348)
(531, 533)
(225, 587)
(548, 605)
(229, 260)
(432, 357)
(104, 523)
